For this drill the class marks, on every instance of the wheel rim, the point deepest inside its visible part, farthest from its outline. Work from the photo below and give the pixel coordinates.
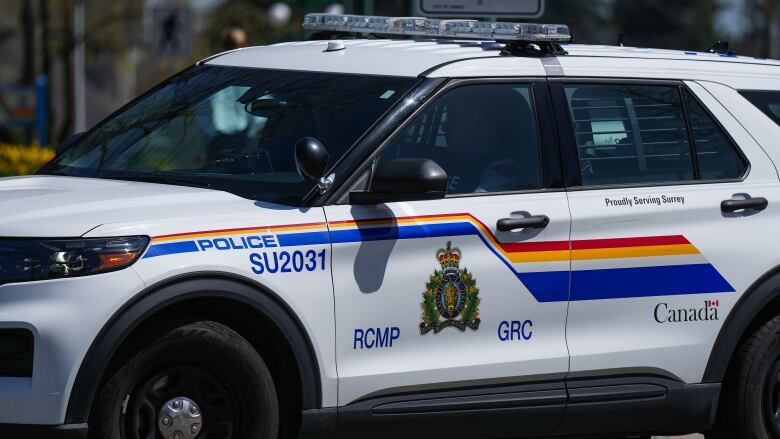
(215, 399)
(772, 399)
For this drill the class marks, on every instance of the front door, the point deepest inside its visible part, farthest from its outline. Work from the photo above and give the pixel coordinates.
(429, 294)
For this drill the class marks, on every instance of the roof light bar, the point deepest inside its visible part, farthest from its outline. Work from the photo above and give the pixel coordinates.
(420, 26)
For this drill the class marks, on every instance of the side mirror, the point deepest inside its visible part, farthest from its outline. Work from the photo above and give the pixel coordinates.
(405, 179)
(311, 159)
(68, 142)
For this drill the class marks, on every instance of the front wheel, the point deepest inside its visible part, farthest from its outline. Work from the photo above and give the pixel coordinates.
(750, 400)
(201, 380)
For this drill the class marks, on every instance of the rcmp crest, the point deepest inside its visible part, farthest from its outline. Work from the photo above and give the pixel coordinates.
(451, 296)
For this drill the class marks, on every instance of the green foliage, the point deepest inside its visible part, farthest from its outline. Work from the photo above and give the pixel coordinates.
(22, 160)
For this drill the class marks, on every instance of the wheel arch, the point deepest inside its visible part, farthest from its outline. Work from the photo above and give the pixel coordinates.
(187, 289)
(756, 306)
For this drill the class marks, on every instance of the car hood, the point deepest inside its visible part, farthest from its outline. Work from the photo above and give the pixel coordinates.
(54, 206)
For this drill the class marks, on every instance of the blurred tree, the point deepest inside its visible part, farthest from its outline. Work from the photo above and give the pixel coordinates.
(251, 16)
(43, 9)
(762, 37)
(27, 20)
(113, 27)
(590, 20)
(62, 44)
(682, 24)
(27, 76)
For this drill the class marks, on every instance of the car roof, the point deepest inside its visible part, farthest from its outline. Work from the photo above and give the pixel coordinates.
(374, 57)
(468, 58)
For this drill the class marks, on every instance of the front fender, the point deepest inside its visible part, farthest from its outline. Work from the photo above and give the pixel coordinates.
(180, 289)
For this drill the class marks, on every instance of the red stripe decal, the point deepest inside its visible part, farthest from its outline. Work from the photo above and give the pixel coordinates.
(628, 242)
(516, 247)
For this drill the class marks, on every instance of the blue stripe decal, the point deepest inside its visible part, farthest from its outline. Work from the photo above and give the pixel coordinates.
(665, 280)
(303, 238)
(547, 286)
(171, 248)
(403, 232)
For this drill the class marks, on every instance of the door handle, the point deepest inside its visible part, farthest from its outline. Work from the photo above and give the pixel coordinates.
(531, 222)
(757, 204)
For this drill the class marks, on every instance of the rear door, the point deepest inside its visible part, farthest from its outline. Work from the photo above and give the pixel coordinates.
(430, 295)
(659, 253)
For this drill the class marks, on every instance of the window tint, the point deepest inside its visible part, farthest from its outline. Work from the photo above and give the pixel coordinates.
(639, 134)
(484, 136)
(718, 160)
(766, 101)
(630, 133)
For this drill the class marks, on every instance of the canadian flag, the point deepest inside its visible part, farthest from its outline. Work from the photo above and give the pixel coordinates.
(714, 303)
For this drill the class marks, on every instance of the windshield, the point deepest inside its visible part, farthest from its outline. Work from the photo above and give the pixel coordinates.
(232, 129)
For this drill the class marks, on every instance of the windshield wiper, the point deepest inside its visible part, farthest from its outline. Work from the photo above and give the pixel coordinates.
(162, 180)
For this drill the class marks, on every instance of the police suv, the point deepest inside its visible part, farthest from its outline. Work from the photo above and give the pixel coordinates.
(478, 232)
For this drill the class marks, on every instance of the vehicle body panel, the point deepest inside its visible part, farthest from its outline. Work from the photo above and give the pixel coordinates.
(380, 277)
(359, 56)
(81, 204)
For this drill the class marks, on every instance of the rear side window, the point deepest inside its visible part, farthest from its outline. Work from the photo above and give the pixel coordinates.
(633, 134)
(717, 158)
(766, 101)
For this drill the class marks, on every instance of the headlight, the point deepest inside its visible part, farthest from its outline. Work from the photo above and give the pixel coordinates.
(24, 260)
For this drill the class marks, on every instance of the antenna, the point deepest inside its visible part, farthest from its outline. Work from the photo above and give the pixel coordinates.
(721, 48)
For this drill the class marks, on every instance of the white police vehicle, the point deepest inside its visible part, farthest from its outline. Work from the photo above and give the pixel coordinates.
(480, 233)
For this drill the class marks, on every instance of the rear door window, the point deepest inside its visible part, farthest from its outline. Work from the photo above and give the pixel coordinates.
(637, 134)
(630, 133)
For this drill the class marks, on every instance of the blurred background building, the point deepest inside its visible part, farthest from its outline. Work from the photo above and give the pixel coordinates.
(128, 46)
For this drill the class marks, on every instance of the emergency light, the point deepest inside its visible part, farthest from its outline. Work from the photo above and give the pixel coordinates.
(427, 27)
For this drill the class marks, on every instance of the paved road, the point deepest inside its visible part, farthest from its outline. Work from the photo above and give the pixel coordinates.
(690, 436)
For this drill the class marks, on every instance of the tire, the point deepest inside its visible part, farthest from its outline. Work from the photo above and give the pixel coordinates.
(750, 399)
(206, 362)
